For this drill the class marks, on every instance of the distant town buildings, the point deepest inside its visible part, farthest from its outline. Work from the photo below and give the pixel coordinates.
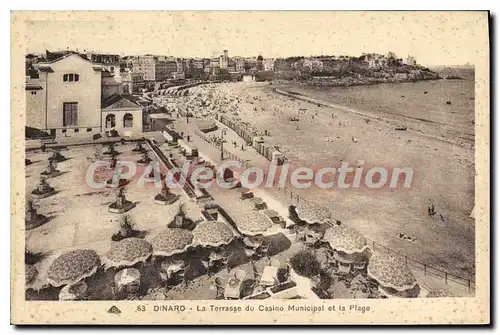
(133, 81)
(111, 63)
(145, 65)
(70, 93)
(269, 64)
(410, 60)
(239, 64)
(376, 61)
(224, 60)
(313, 64)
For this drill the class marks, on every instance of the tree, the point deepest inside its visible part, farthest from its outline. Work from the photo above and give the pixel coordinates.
(126, 225)
(305, 264)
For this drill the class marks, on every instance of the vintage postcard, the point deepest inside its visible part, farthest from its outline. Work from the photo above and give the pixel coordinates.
(250, 167)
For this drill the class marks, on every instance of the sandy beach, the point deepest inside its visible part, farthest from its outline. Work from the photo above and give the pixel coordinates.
(443, 163)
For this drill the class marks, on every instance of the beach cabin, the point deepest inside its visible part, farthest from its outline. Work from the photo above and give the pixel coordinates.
(171, 136)
(278, 158)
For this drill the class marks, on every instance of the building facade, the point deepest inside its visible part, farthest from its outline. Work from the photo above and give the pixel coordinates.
(224, 59)
(133, 81)
(268, 64)
(121, 113)
(66, 98)
(109, 62)
(376, 61)
(144, 65)
(239, 64)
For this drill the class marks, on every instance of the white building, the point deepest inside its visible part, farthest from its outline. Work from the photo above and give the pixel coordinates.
(66, 98)
(268, 64)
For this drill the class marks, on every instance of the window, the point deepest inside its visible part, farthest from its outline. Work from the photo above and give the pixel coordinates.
(89, 130)
(110, 121)
(128, 121)
(70, 114)
(112, 69)
(69, 77)
(77, 130)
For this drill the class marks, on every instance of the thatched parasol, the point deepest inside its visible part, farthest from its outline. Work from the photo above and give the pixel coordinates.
(72, 267)
(128, 252)
(312, 213)
(30, 274)
(257, 200)
(254, 223)
(172, 241)
(213, 233)
(391, 271)
(345, 239)
(271, 213)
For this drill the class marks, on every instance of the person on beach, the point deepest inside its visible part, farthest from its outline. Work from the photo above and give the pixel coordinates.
(431, 211)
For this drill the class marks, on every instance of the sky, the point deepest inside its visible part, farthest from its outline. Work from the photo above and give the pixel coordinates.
(447, 38)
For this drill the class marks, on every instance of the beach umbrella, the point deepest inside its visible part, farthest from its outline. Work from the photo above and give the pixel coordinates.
(30, 274)
(312, 213)
(254, 223)
(391, 271)
(271, 213)
(345, 239)
(213, 233)
(128, 252)
(72, 267)
(171, 241)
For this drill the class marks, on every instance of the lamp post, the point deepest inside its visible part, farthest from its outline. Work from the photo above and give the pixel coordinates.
(223, 132)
